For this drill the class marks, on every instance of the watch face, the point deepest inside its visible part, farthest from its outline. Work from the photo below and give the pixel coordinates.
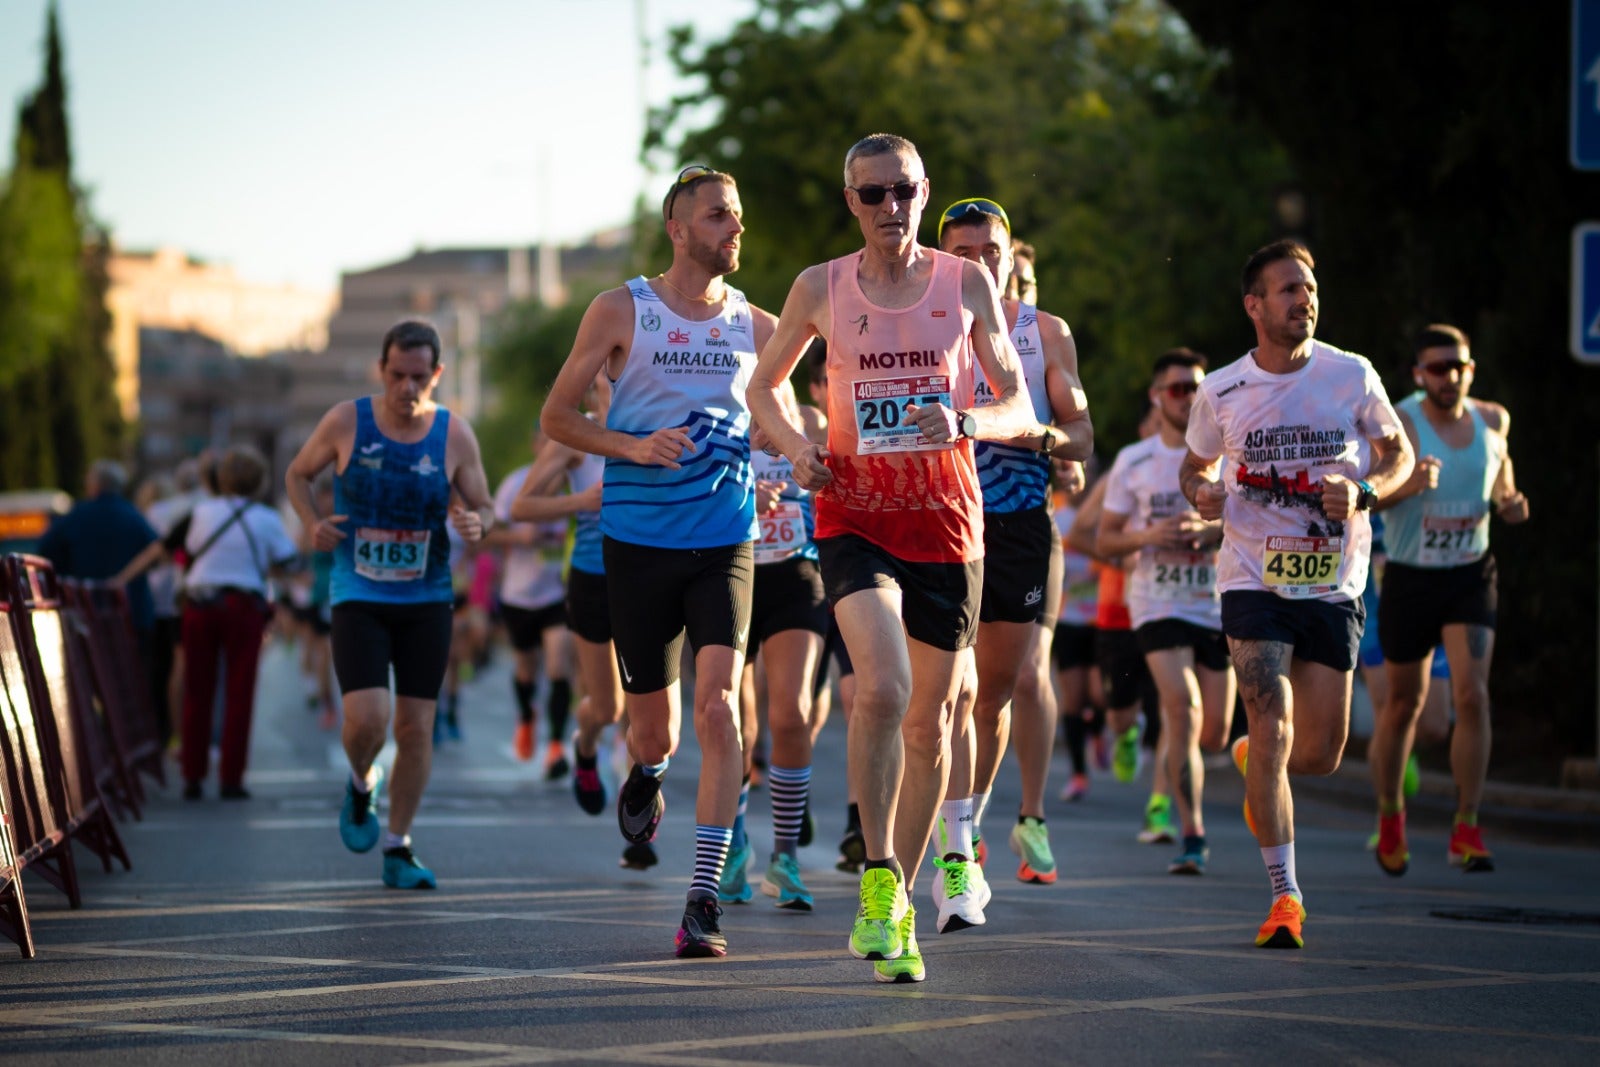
(969, 425)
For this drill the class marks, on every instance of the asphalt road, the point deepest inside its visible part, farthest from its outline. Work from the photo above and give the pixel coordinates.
(246, 934)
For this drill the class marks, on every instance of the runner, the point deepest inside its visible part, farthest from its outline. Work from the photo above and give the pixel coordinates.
(1072, 651)
(898, 508)
(1172, 597)
(1022, 570)
(532, 599)
(400, 464)
(1309, 442)
(679, 511)
(1441, 582)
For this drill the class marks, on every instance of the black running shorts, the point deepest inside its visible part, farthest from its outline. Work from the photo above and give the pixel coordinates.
(1320, 631)
(588, 609)
(788, 596)
(1417, 603)
(1123, 673)
(526, 626)
(369, 638)
(938, 601)
(1016, 566)
(1073, 646)
(1210, 647)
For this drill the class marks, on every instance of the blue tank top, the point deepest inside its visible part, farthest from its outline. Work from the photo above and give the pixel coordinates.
(786, 530)
(1447, 526)
(1017, 479)
(689, 374)
(397, 496)
(587, 554)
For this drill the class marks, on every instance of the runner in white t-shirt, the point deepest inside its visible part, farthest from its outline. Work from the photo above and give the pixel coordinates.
(1306, 441)
(1172, 593)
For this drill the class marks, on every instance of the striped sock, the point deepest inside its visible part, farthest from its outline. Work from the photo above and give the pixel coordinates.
(740, 838)
(710, 853)
(789, 787)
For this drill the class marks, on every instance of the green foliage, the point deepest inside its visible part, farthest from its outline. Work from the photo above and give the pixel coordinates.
(1095, 124)
(40, 286)
(531, 345)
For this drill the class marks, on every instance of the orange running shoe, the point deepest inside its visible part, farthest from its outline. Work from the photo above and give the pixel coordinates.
(1391, 851)
(1467, 851)
(1241, 756)
(522, 741)
(1282, 928)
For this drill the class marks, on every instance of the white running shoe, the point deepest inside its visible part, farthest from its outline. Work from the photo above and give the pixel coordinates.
(960, 892)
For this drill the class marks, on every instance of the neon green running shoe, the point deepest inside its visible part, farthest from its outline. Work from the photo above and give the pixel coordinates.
(1031, 842)
(876, 934)
(1159, 826)
(1413, 777)
(1125, 757)
(906, 967)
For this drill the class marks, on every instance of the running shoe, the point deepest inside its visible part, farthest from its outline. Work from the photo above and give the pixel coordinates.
(1102, 751)
(852, 851)
(1125, 758)
(876, 934)
(640, 856)
(980, 851)
(783, 881)
(734, 887)
(640, 806)
(1031, 842)
(960, 891)
(402, 870)
(1241, 758)
(522, 741)
(906, 967)
(1192, 860)
(1412, 780)
(555, 762)
(1076, 788)
(699, 935)
(1283, 926)
(588, 788)
(808, 826)
(358, 818)
(1391, 851)
(1159, 826)
(1467, 851)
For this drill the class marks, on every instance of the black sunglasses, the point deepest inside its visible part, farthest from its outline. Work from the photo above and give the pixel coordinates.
(687, 176)
(1179, 390)
(1443, 367)
(872, 195)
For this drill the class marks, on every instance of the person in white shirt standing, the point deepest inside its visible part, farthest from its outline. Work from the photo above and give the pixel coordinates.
(1307, 441)
(1172, 593)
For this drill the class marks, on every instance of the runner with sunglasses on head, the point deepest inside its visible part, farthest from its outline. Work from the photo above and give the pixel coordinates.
(1021, 587)
(1441, 582)
(1172, 593)
(678, 512)
(1306, 441)
(898, 507)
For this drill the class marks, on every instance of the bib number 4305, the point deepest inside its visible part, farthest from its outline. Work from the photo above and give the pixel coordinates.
(1289, 562)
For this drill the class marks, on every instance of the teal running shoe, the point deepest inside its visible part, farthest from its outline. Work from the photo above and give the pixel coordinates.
(401, 870)
(783, 881)
(734, 887)
(358, 818)
(1192, 860)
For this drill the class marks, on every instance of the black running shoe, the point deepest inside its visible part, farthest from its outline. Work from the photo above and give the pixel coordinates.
(588, 788)
(639, 857)
(852, 851)
(640, 806)
(699, 935)
(808, 825)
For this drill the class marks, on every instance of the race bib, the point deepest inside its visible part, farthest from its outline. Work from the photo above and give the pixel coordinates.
(391, 555)
(1453, 533)
(783, 532)
(1174, 575)
(880, 412)
(1297, 567)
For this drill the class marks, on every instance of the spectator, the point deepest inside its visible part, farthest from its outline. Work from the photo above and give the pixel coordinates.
(99, 536)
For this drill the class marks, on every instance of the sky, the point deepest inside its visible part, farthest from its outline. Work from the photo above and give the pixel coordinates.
(298, 138)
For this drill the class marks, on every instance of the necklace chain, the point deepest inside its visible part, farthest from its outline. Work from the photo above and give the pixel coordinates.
(707, 300)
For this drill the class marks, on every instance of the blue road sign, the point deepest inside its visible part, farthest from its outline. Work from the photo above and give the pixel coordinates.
(1586, 84)
(1586, 292)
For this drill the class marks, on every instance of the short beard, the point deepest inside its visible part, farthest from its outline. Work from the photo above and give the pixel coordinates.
(713, 259)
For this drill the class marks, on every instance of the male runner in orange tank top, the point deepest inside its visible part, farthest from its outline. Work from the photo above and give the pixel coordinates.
(898, 510)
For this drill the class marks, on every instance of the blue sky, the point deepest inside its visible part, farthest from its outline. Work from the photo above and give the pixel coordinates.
(297, 138)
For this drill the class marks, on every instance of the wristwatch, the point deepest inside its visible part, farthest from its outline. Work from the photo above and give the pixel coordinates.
(966, 425)
(1047, 441)
(1365, 497)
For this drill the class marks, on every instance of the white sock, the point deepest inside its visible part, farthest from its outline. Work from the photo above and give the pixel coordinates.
(956, 817)
(980, 804)
(393, 840)
(363, 785)
(1280, 869)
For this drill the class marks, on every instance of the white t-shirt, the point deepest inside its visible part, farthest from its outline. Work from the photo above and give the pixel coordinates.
(244, 552)
(532, 575)
(1166, 583)
(1278, 435)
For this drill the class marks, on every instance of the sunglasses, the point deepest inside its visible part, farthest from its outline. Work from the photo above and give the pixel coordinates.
(687, 176)
(975, 205)
(1440, 370)
(1179, 390)
(872, 195)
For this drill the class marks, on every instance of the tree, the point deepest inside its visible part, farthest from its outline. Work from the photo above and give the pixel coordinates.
(532, 343)
(1094, 124)
(1431, 141)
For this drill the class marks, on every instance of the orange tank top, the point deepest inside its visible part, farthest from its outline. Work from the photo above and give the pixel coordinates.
(918, 500)
(1112, 610)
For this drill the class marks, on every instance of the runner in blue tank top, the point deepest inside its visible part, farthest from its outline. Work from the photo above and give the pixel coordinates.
(1015, 694)
(679, 511)
(403, 468)
(1441, 582)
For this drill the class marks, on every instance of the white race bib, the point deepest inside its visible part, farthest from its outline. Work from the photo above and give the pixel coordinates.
(1453, 533)
(880, 413)
(1175, 575)
(391, 555)
(1301, 567)
(783, 532)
